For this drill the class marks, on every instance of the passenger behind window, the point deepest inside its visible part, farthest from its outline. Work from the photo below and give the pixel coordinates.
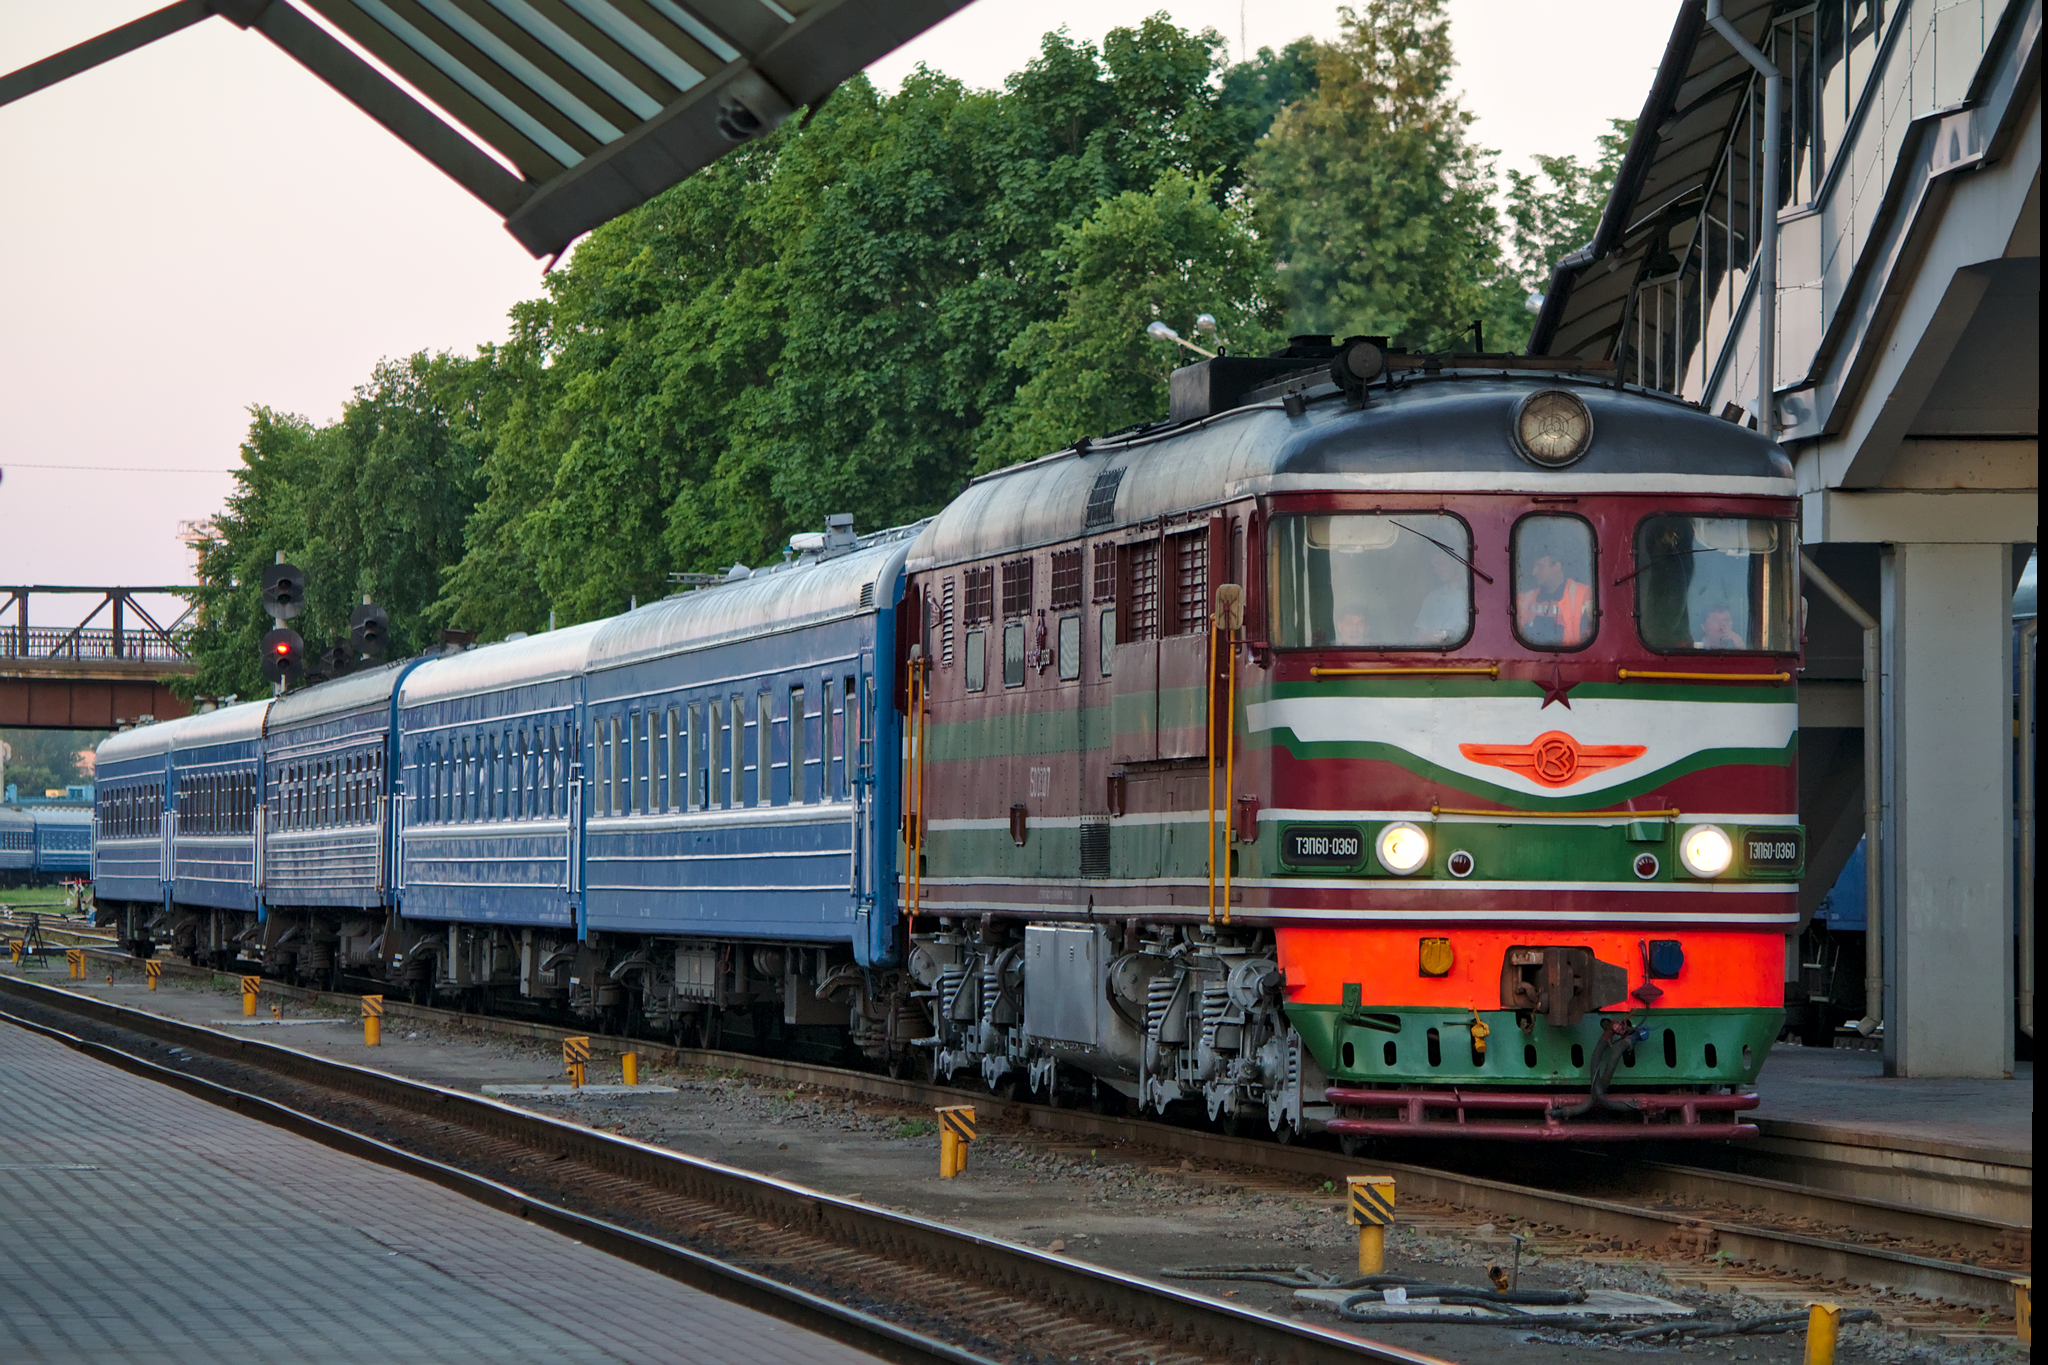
(1718, 630)
(1446, 611)
(1553, 574)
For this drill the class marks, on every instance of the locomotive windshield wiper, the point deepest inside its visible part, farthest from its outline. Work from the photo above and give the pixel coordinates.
(1446, 549)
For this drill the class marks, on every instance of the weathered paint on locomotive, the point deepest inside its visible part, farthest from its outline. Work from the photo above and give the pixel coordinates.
(1022, 779)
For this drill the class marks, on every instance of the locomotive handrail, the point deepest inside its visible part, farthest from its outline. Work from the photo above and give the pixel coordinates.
(1671, 814)
(1626, 673)
(1490, 670)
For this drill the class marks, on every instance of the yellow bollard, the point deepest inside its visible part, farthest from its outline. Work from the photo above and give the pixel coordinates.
(629, 1068)
(250, 986)
(1823, 1324)
(74, 958)
(1372, 1210)
(373, 1020)
(575, 1057)
(2023, 1308)
(276, 1011)
(152, 969)
(956, 1131)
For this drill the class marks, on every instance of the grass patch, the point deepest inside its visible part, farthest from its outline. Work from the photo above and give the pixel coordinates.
(912, 1128)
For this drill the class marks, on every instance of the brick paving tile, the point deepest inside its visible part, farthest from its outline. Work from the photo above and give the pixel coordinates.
(199, 1235)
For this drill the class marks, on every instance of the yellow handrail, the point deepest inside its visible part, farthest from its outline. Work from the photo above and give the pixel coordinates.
(1209, 748)
(1627, 673)
(1490, 670)
(1673, 814)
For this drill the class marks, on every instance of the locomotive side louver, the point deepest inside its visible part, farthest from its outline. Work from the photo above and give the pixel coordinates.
(1095, 848)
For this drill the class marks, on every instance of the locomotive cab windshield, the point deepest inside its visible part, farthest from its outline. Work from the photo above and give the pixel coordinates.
(1717, 583)
(1397, 580)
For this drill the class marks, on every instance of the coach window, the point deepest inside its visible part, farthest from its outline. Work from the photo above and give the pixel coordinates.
(1717, 584)
(1400, 580)
(798, 724)
(764, 748)
(1557, 603)
(1070, 648)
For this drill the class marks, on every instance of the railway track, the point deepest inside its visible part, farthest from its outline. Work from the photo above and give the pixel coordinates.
(902, 1287)
(1772, 1225)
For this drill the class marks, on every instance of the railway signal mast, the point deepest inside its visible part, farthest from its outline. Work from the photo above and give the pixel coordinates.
(284, 597)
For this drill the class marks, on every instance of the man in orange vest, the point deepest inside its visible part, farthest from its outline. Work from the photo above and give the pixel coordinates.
(1558, 611)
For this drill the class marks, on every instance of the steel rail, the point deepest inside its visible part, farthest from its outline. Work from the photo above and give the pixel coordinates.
(1781, 1249)
(1191, 1321)
(731, 1282)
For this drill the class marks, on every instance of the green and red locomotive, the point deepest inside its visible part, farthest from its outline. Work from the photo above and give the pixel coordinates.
(1394, 744)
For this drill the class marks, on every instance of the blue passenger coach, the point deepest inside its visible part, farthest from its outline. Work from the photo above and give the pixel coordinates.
(489, 742)
(682, 819)
(730, 744)
(17, 847)
(63, 843)
(131, 796)
(216, 767)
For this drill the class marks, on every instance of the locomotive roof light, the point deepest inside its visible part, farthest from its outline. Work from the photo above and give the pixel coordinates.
(1553, 428)
(1159, 331)
(1403, 848)
(1706, 850)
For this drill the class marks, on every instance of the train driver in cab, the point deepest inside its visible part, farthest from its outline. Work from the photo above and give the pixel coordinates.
(1553, 567)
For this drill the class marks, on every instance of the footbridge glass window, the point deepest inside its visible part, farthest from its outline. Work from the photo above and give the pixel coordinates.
(1399, 580)
(1717, 583)
(1557, 603)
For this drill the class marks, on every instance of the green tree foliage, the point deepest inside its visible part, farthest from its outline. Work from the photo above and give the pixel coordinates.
(828, 320)
(1371, 192)
(38, 761)
(1167, 254)
(1556, 211)
(372, 505)
(858, 312)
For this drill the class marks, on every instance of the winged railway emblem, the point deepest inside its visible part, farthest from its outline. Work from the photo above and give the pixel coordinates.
(1554, 759)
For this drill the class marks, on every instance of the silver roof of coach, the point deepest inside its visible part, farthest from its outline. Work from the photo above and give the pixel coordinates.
(509, 663)
(806, 592)
(371, 687)
(225, 725)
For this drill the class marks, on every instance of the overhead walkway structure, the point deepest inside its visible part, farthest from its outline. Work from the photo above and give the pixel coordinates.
(113, 668)
(558, 114)
(1895, 275)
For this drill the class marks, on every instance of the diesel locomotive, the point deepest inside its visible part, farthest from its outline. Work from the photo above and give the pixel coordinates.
(1386, 744)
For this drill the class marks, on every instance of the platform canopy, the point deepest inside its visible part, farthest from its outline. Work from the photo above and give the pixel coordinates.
(599, 104)
(1681, 141)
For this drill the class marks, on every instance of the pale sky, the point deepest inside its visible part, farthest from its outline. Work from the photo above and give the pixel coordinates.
(203, 226)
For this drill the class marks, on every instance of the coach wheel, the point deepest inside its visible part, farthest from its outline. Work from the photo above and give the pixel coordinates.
(1351, 1146)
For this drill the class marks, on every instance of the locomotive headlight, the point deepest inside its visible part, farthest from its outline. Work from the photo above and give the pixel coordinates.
(1402, 848)
(1706, 851)
(1553, 428)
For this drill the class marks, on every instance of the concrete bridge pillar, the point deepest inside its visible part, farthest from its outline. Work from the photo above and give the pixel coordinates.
(1948, 809)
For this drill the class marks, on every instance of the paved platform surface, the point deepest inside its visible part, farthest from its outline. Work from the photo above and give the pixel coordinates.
(140, 1224)
(1847, 1090)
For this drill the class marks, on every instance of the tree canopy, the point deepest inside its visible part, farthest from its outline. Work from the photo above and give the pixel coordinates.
(865, 308)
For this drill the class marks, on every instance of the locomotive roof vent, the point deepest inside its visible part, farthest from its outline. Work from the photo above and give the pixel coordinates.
(1553, 428)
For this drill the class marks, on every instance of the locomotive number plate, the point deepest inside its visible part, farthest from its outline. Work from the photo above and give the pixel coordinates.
(1773, 850)
(1322, 846)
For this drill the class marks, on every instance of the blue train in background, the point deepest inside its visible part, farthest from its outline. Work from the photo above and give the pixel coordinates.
(44, 845)
(683, 820)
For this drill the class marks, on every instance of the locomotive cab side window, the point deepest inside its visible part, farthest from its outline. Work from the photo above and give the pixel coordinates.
(977, 660)
(1396, 580)
(1557, 603)
(1717, 584)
